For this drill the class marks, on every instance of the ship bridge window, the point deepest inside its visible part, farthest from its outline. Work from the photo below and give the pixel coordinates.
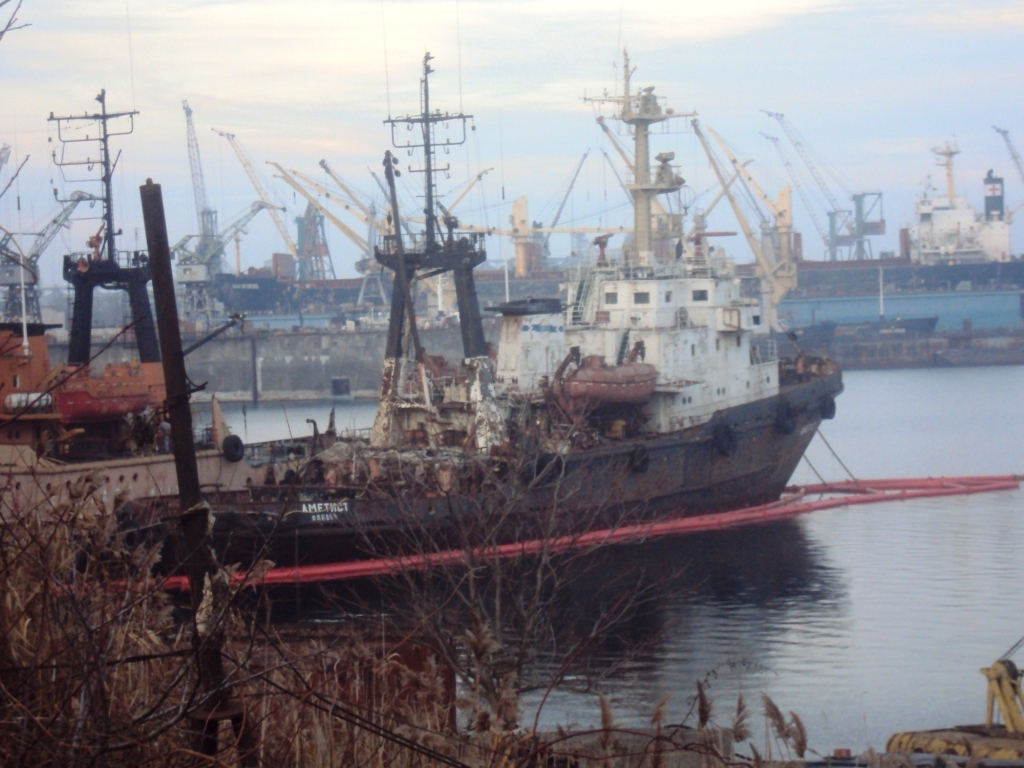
(926, 217)
(611, 298)
(757, 319)
(701, 295)
(17, 381)
(641, 298)
(668, 296)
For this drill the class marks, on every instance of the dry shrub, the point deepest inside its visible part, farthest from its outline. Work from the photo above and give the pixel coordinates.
(97, 665)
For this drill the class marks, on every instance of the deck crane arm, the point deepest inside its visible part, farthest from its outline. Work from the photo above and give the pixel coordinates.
(741, 168)
(344, 188)
(292, 182)
(801, 150)
(258, 185)
(779, 283)
(799, 187)
(238, 225)
(469, 187)
(565, 197)
(356, 209)
(55, 225)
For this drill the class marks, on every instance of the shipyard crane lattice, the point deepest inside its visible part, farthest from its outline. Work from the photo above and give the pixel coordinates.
(205, 216)
(799, 186)
(13, 263)
(260, 189)
(1016, 159)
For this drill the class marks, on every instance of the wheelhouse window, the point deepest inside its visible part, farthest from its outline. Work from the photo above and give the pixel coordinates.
(641, 298)
(611, 298)
(668, 296)
(701, 295)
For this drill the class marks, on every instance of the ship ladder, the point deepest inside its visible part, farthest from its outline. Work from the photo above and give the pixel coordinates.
(579, 303)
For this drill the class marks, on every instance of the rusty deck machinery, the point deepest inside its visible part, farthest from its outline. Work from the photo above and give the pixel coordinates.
(434, 254)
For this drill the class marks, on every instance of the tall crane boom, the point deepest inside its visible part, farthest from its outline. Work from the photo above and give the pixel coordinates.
(258, 186)
(806, 157)
(344, 188)
(1013, 152)
(346, 230)
(206, 217)
(781, 277)
(799, 186)
(565, 197)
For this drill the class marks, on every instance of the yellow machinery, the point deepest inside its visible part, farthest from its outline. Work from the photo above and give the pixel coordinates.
(992, 740)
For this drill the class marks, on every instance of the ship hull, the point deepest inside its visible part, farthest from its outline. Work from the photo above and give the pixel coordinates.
(743, 457)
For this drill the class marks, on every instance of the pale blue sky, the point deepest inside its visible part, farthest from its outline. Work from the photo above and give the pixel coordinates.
(871, 85)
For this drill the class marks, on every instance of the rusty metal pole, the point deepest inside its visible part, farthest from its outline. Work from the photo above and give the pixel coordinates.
(200, 562)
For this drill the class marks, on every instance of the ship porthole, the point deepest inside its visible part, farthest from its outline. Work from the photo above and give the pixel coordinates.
(135, 477)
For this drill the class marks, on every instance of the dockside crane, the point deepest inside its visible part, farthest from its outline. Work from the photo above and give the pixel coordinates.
(783, 238)
(793, 177)
(856, 223)
(319, 267)
(1016, 159)
(12, 263)
(779, 276)
(206, 217)
(272, 209)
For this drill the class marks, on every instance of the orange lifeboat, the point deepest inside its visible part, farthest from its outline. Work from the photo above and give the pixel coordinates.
(122, 389)
(600, 384)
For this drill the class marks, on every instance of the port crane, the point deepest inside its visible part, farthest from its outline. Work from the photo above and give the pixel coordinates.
(1016, 159)
(857, 223)
(14, 268)
(195, 270)
(782, 237)
(793, 177)
(260, 189)
(206, 217)
(779, 276)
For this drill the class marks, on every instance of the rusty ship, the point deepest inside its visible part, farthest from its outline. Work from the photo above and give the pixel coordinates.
(644, 395)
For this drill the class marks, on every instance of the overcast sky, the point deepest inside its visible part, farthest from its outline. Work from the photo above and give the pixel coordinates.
(870, 85)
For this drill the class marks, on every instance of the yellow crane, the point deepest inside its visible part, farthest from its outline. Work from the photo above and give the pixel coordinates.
(260, 190)
(780, 276)
(346, 230)
(781, 207)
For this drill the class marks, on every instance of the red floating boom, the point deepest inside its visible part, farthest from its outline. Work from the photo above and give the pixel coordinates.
(846, 493)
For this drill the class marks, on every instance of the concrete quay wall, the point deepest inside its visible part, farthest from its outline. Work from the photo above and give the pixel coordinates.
(291, 366)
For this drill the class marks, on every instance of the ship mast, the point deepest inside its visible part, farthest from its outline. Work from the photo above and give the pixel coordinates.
(640, 111)
(945, 160)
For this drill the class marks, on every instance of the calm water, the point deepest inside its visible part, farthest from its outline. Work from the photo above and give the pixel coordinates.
(865, 620)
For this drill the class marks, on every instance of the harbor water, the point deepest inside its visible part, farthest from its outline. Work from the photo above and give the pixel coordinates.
(865, 620)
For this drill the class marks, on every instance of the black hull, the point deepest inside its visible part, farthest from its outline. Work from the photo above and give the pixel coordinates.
(743, 457)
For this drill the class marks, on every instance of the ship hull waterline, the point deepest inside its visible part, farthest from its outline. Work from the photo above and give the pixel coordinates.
(695, 471)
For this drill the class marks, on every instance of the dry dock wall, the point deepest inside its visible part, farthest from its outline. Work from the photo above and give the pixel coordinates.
(292, 366)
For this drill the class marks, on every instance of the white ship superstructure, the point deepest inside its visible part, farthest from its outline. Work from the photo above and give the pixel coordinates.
(684, 315)
(949, 230)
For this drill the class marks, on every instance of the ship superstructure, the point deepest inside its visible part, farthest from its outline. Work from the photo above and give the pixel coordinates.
(948, 230)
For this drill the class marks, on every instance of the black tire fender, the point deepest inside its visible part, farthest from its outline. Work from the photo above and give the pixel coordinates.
(233, 448)
(724, 440)
(639, 459)
(785, 418)
(828, 407)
